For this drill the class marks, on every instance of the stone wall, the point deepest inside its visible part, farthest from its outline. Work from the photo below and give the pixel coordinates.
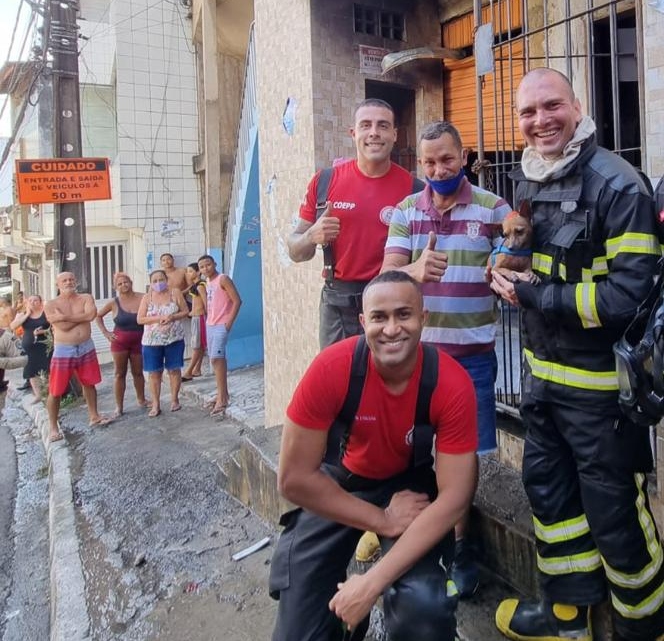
(653, 53)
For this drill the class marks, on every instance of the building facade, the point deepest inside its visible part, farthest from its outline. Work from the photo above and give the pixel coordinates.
(139, 109)
(461, 61)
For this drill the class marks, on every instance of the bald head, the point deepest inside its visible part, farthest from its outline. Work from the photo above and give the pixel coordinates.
(543, 74)
(548, 111)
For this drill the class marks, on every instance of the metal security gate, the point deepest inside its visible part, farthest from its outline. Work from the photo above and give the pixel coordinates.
(103, 262)
(597, 45)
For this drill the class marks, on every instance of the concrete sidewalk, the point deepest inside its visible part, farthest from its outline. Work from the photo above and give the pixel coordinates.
(70, 618)
(244, 456)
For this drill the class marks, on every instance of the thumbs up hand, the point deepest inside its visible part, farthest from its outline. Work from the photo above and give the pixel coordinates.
(431, 244)
(325, 229)
(431, 265)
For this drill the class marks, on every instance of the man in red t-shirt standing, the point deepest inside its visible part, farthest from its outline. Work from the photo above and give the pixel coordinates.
(360, 198)
(379, 483)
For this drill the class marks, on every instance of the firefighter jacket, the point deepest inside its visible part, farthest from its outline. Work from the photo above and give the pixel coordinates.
(595, 249)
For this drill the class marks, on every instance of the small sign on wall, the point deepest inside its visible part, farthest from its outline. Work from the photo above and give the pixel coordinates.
(371, 58)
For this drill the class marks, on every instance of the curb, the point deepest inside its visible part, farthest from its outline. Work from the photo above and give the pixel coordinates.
(69, 620)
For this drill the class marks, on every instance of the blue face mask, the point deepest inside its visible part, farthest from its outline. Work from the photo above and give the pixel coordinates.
(161, 286)
(447, 186)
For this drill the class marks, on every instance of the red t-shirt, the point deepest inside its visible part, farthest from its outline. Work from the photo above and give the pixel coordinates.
(380, 439)
(364, 208)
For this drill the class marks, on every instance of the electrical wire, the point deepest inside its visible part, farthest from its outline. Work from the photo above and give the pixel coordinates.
(19, 70)
(18, 123)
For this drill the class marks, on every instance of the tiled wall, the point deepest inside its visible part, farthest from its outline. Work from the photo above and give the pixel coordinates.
(307, 52)
(157, 125)
(653, 52)
(286, 164)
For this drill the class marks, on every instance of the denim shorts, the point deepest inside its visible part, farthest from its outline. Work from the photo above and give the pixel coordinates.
(217, 335)
(483, 369)
(156, 358)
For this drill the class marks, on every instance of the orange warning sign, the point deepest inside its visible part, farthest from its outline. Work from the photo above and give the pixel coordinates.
(62, 180)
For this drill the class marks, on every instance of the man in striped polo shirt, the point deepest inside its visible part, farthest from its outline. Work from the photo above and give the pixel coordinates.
(443, 237)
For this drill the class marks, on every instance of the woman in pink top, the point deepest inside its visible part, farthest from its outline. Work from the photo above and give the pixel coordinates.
(223, 305)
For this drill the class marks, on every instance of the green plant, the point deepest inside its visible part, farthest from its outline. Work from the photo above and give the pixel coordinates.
(70, 400)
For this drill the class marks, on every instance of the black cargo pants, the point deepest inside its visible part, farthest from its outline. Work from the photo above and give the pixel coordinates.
(313, 553)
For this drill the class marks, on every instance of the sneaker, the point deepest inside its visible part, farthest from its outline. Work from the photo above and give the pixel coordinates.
(541, 621)
(368, 548)
(4, 385)
(464, 571)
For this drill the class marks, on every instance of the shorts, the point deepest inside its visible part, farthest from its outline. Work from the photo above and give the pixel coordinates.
(126, 341)
(198, 333)
(68, 360)
(156, 358)
(483, 369)
(217, 336)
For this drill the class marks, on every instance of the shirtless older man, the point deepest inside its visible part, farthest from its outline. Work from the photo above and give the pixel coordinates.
(70, 315)
(176, 276)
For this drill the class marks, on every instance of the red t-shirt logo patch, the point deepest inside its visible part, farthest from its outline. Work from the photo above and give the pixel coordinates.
(386, 215)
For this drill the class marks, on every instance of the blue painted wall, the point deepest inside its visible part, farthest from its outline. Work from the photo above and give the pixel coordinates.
(245, 343)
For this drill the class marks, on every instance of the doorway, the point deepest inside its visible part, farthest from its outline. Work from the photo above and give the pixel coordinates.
(402, 100)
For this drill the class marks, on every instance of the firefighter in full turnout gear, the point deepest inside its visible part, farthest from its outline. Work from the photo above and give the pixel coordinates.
(595, 251)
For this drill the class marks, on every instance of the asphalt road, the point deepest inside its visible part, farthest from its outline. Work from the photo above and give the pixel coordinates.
(24, 581)
(7, 495)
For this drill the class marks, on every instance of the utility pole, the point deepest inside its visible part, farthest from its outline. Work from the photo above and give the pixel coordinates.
(69, 233)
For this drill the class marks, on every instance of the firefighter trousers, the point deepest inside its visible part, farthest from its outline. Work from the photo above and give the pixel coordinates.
(584, 473)
(312, 556)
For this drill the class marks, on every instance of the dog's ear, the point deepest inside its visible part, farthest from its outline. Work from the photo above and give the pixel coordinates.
(526, 210)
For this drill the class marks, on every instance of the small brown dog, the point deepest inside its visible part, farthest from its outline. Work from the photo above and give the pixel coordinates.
(514, 254)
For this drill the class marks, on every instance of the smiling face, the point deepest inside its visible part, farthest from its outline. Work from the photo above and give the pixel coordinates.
(393, 317)
(166, 261)
(374, 134)
(548, 112)
(441, 158)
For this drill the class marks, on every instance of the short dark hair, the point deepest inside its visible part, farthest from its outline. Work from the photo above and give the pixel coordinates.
(207, 257)
(167, 254)
(438, 128)
(157, 271)
(393, 276)
(194, 266)
(376, 102)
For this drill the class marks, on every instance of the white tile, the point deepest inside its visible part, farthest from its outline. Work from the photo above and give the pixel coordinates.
(141, 64)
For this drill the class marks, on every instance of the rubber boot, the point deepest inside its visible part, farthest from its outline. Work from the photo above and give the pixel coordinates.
(542, 621)
(464, 571)
(368, 548)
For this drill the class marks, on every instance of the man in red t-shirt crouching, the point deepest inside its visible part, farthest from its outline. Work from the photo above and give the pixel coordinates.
(379, 481)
